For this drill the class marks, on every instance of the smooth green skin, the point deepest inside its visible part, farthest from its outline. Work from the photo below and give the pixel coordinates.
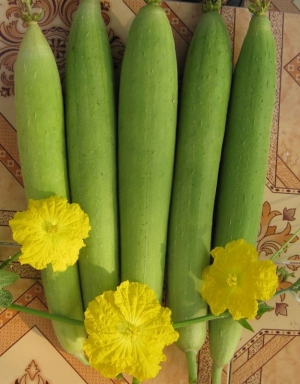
(91, 140)
(147, 129)
(244, 161)
(41, 141)
(202, 119)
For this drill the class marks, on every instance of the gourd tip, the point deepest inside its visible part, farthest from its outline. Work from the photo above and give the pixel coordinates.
(26, 12)
(259, 7)
(153, 2)
(212, 5)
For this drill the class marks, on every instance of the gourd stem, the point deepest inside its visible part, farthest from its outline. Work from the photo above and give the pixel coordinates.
(185, 323)
(192, 366)
(216, 375)
(45, 315)
(28, 6)
(64, 319)
(10, 260)
(281, 249)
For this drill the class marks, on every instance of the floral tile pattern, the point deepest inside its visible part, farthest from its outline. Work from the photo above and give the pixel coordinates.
(29, 351)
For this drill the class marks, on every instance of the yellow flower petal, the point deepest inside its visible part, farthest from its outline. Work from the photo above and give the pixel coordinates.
(237, 279)
(267, 282)
(50, 231)
(127, 331)
(242, 306)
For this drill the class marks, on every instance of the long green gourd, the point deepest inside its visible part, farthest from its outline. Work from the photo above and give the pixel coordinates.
(41, 142)
(147, 129)
(91, 141)
(202, 119)
(244, 162)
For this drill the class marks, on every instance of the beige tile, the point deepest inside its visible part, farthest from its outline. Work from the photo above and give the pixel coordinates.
(288, 6)
(12, 192)
(241, 26)
(283, 367)
(174, 370)
(289, 135)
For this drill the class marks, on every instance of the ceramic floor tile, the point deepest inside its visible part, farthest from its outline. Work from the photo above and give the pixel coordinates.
(47, 365)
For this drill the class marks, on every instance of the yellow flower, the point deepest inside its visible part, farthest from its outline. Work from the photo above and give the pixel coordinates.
(127, 331)
(50, 231)
(237, 279)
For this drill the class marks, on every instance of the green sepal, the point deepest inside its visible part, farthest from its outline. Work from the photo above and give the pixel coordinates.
(244, 323)
(263, 308)
(6, 278)
(283, 274)
(6, 299)
(296, 286)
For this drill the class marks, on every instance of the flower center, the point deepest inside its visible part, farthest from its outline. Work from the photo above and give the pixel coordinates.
(232, 280)
(52, 229)
(129, 330)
